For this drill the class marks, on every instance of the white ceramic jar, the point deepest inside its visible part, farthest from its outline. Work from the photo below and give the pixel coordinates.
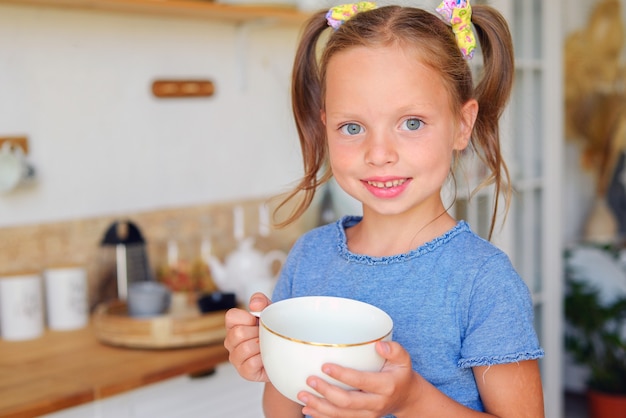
(66, 297)
(21, 307)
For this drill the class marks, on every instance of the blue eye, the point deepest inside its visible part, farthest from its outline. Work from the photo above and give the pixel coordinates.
(351, 129)
(412, 124)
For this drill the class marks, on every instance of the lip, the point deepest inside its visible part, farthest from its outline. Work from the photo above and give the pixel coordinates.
(387, 192)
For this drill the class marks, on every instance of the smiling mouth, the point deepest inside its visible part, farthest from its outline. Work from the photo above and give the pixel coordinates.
(386, 184)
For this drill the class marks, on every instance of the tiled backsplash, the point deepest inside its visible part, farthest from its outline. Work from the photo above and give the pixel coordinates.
(77, 242)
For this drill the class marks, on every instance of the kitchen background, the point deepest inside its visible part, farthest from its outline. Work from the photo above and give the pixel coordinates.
(77, 84)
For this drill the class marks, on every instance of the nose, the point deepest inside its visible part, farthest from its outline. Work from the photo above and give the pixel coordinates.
(380, 150)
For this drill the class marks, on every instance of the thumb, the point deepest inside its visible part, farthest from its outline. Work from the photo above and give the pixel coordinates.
(392, 352)
(258, 302)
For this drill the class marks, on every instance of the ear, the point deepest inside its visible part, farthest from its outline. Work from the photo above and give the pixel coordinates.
(323, 116)
(469, 111)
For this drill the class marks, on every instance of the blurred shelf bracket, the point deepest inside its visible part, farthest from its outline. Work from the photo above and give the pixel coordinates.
(168, 89)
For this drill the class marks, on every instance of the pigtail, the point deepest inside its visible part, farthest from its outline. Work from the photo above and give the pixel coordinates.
(492, 94)
(306, 99)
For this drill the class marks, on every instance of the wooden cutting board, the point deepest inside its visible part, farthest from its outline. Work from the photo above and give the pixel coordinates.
(189, 328)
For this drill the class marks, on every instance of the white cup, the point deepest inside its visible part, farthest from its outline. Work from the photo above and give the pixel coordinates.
(13, 167)
(21, 307)
(66, 297)
(297, 336)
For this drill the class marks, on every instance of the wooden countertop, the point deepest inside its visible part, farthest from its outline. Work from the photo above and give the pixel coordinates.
(67, 368)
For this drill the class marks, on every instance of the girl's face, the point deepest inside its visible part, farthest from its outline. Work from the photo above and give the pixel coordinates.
(390, 127)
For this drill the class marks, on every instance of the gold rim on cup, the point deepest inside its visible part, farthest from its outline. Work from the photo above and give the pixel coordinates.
(324, 344)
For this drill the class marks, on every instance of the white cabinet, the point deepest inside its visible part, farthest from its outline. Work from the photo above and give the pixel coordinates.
(222, 394)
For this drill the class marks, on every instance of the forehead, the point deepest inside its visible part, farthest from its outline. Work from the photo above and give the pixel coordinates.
(391, 73)
(411, 54)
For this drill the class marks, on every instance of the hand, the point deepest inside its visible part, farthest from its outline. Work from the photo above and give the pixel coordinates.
(242, 339)
(379, 393)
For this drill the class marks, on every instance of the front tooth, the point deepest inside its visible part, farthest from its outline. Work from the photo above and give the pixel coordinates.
(390, 183)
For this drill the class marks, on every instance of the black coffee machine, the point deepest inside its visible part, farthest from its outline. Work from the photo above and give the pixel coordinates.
(124, 260)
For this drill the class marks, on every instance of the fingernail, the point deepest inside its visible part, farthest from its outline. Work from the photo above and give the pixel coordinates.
(385, 346)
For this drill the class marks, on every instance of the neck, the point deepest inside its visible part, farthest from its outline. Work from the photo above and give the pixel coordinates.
(385, 235)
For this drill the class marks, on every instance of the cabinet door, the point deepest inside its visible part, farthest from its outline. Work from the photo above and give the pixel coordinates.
(532, 137)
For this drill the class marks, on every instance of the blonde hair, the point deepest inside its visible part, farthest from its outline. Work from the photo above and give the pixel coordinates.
(437, 47)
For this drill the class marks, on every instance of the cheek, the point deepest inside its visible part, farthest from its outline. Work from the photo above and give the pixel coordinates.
(436, 160)
(336, 150)
(345, 161)
(338, 160)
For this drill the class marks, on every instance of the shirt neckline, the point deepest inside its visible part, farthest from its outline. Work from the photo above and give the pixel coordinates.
(348, 221)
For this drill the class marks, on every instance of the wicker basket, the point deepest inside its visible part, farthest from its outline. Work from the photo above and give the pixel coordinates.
(114, 326)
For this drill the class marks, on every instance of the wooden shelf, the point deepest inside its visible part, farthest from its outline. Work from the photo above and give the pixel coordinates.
(182, 8)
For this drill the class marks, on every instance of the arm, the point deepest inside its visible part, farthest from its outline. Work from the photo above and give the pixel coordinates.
(511, 390)
(276, 405)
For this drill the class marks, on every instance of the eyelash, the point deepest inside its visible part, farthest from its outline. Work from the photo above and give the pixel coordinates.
(419, 121)
(344, 128)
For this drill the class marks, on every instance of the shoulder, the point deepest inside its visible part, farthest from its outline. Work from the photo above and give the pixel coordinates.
(463, 246)
(316, 236)
(332, 234)
(484, 266)
(465, 236)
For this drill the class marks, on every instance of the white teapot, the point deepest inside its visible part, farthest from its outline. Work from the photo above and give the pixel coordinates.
(246, 270)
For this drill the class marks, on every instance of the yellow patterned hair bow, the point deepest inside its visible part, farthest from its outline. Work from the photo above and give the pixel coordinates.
(459, 14)
(338, 15)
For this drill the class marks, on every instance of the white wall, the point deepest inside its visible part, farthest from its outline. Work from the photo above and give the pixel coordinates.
(78, 84)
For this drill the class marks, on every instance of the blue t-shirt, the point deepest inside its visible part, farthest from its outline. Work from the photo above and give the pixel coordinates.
(456, 301)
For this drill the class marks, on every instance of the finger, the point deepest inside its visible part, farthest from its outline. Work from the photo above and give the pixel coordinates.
(331, 393)
(377, 382)
(245, 354)
(251, 368)
(363, 382)
(316, 406)
(258, 302)
(394, 354)
(237, 317)
(334, 402)
(238, 334)
(384, 349)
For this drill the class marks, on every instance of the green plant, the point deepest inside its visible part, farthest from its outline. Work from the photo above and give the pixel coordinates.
(596, 335)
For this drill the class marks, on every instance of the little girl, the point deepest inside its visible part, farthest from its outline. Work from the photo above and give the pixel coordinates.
(386, 108)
